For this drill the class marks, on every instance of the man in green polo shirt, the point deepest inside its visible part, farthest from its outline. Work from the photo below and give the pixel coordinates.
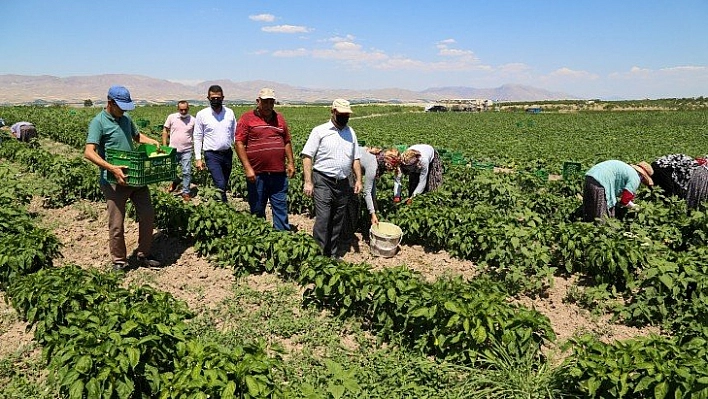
(113, 129)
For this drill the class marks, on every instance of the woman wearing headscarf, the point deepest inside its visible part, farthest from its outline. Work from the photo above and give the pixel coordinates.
(611, 182)
(682, 176)
(375, 162)
(421, 163)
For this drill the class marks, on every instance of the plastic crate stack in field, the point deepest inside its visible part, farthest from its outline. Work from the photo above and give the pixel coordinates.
(145, 165)
(571, 169)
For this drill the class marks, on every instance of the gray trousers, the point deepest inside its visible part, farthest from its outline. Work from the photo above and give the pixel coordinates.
(331, 200)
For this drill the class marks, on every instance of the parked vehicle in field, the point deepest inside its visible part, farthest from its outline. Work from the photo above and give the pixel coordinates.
(436, 108)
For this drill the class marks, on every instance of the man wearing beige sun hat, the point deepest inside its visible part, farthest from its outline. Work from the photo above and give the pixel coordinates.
(611, 182)
(329, 158)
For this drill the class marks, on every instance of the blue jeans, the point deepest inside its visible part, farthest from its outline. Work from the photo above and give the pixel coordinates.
(273, 187)
(185, 161)
(219, 164)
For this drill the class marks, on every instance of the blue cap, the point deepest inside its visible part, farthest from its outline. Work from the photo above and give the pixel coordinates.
(121, 96)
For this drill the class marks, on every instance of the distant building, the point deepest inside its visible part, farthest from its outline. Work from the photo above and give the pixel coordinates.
(466, 104)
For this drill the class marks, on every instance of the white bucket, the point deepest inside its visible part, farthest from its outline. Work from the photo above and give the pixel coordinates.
(384, 239)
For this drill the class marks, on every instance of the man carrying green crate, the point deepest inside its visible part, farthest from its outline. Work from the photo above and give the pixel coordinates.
(113, 129)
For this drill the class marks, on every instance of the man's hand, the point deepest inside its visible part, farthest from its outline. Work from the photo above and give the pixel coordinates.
(307, 189)
(199, 164)
(357, 187)
(117, 171)
(250, 175)
(290, 170)
(409, 201)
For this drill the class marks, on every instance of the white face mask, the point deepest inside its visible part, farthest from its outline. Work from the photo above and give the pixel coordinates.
(184, 116)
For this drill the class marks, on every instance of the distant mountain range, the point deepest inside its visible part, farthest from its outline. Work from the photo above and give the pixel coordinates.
(23, 89)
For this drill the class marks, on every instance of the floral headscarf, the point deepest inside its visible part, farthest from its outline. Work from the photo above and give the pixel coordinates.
(386, 160)
(681, 167)
(410, 161)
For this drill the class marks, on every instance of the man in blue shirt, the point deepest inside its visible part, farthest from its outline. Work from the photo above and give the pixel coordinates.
(113, 129)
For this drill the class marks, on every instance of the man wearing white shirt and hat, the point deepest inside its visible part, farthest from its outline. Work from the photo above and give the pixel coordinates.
(329, 157)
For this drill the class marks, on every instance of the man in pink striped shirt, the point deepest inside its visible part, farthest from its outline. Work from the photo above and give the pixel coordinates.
(179, 131)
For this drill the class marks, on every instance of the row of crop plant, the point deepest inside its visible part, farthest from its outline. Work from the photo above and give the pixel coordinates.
(449, 318)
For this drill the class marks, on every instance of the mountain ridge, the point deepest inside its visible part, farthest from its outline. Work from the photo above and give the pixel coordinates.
(23, 89)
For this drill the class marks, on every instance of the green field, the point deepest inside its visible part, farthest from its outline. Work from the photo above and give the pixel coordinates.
(450, 338)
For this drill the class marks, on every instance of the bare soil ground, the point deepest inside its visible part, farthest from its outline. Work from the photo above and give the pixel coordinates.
(82, 228)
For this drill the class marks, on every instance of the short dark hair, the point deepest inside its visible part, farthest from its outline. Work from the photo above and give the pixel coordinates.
(215, 89)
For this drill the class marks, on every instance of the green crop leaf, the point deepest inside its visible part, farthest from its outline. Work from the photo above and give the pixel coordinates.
(76, 391)
(336, 390)
(133, 356)
(254, 387)
(84, 364)
(229, 390)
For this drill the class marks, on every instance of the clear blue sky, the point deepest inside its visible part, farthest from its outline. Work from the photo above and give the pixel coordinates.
(628, 49)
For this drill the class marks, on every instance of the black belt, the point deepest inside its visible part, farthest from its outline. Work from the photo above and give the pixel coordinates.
(332, 179)
(219, 151)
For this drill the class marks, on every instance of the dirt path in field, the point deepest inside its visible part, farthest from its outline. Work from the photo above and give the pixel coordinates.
(82, 228)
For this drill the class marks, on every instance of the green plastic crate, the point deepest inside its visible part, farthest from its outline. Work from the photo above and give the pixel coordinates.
(483, 165)
(142, 168)
(458, 159)
(570, 169)
(541, 174)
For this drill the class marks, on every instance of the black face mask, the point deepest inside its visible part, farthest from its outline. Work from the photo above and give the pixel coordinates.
(342, 119)
(216, 102)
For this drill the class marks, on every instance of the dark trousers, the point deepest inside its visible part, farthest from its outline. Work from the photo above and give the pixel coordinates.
(331, 200)
(220, 164)
(27, 133)
(271, 187)
(594, 201)
(413, 180)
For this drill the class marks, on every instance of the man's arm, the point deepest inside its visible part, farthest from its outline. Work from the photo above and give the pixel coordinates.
(165, 134)
(290, 166)
(198, 138)
(307, 175)
(357, 174)
(143, 139)
(243, 157)
(91, 154)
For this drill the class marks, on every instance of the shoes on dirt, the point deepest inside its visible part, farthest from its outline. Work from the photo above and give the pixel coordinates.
(148, 261)
(119, 266)
(186, 197)
(172, 187)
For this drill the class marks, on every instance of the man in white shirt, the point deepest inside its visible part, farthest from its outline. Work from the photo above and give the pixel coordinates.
(214, 130)
(329, 157)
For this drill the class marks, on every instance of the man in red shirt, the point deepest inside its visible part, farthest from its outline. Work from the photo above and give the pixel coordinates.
(264, 149)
